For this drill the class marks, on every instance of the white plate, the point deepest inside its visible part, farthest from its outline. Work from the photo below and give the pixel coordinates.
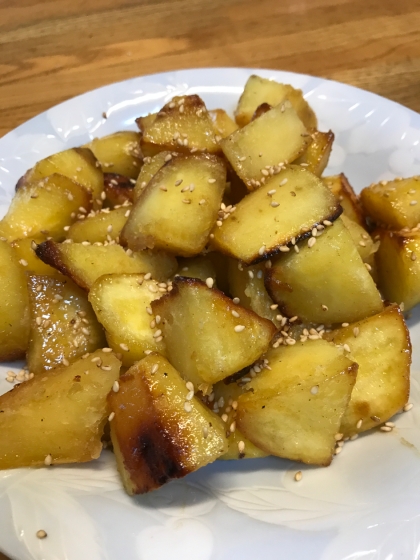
(365, 506)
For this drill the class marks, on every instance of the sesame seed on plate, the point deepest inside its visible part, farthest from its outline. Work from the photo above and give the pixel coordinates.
(298, 476)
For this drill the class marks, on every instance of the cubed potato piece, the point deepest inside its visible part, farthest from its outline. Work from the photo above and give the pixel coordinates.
(179, 207)
(393, 204)
(44, 207)
(151, 165)
(160, 431)
(365, 245)
(145, 121)
(118, 153)
(247, 284)
(86, 263)
(287, 207)
(118, 189)
(63, 324)
(14, 306)
(294, 410)
(317, 154)
(381, 346)
(260, 90)
(122, 305)
(220, 264)
(204, 340)
(24, 249)
(103, 226)
(197, 267)
(398, 266)
(341, 188)
(57, 417)
(326, 283)
(224, 401)
(182, 125)
(78, 164)
(276, 138)
(223, 125)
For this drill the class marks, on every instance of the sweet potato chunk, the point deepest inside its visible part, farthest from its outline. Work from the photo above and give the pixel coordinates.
(294, 410)
(24, 249)
(266, 144)
(223, 125)
(160, 430)
(317, 154)
(181, 125)
(365, 245)
(85, 263)
(78, 164)
(247, 284)
(393, 205)
(398, 265)
(326, 283)
(381, 346)
(14, 311)
(179, 207)
(260, 90)
(341, 188)
(44, 207)
(63, 324)
(118, 189)
(207, 336)
(120, 302)
(118, 153)
(103, 226)
(151, 166)
(57, 417)
(287, 207)
(197, 267)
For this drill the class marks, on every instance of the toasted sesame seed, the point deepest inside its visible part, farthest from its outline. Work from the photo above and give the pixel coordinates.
(209, 282)
(338, 450)
(106, 368)
(211, 181)
(284, 249)
(187, 406)
(314, 232)
(271, 192)
(239, 328)
(106, 350)
(235, 313)
(124, 347)
(261, 250)
(338, 437)
(152, 288)
(324, 307)
(359, 424)
(408, 407)
(23, 262)
(264, 172)
(65, 362)
(385, 429)
(111, 417)
(311, 242)
(344, 324)
(48, 460)
(283, 182)
(390, 424)
(241, 446)
(413, 256)
(242, 158)
(314, 390)
(41, 534)
(154, 369)
(298, 476)
(236, 300)
(327, 223)
(362, 244)
(356, 332)
(413, 202)
(157, 334)
(346, 347)
(116, 387)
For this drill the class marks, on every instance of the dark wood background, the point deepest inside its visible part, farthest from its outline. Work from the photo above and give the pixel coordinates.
(51, 50)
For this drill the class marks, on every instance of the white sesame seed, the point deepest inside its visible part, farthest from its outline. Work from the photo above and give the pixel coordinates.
(241, 446)
(157, 334)
(338, 437)
(356, 331)
(242, 158)
(236, 300)
(408, 407)
(209, 282)
(413, 202)
(390, 424)
(205, 432)
(283, 182)
(65, 362)
(346, 347)
(239, 328)
(211, 181)
(116, 387)
(284, 249)
(189, 395)
(154, 369)
(314, 389)
(385, 429)
(311, 242)
(111, 417)
(271, 192)
(41, 534)
(327, 223)
(48, 460)
(413, 256)
(235, 313)
(359, 424)
(338, 450)
(23, 262)
(106, 350)
(298, 476)
(261, 250)
(344, 324)
(124, 347)
(187, 406)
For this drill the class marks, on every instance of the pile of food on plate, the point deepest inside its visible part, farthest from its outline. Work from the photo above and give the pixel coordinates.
(198, 290)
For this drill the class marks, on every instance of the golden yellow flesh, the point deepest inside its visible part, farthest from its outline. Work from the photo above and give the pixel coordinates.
(160, 431)
(14, 311)
(178, 209)
(381, 346)
(286, 207)
(199, 332)
(63, 324)
(274, 139)
(120, 302)
(44, 207)
(295, 409)
(59, 415)
(118, 153)
(326, 283)
(104, 226)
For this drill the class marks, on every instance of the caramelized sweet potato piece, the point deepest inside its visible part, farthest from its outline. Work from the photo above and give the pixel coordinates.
(349, 201)
(118, 153)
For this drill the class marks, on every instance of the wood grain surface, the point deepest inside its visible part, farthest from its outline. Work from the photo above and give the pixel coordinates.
(51, 50)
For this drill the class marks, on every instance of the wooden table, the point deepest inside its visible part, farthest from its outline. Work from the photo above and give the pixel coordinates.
(55, 49)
